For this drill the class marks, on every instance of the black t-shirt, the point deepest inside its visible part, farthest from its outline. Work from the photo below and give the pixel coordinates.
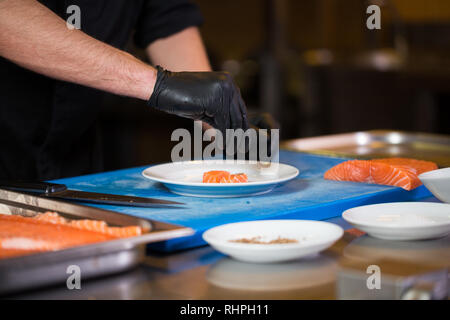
(47, 127)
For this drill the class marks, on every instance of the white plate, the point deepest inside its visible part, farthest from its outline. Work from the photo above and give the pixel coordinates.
(438, 182)
(312, 237)
(185, 178)
(402, 220)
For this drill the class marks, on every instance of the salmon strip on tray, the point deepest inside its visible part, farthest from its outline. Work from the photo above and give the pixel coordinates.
(219, 176)
(49, 232)
(91, 225)
(21, 235)
(400, 172)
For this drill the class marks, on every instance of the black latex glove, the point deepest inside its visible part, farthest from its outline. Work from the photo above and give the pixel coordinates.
(211, 97)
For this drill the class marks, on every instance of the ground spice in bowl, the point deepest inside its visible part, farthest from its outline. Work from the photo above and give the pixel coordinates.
(257, 240)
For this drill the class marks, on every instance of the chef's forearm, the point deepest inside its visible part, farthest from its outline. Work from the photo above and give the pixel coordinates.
(183, 51)
(34, 37)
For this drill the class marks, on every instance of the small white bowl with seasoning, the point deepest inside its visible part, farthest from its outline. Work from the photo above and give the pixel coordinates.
(438, 182)
(268, 241)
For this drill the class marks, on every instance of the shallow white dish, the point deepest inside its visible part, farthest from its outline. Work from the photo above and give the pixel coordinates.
(402, 220)
(185, 178)
(438, 182)
(312, 237)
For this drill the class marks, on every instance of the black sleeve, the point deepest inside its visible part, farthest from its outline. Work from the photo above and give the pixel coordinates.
(162, 18)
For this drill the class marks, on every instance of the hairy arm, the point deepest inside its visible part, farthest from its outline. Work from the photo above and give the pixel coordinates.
(35, 38)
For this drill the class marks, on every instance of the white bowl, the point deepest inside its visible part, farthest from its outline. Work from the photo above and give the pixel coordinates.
(401, 220)
(312, 237)
(438, 182)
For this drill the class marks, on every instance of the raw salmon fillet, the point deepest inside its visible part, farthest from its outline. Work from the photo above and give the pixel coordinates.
(218, 176)
(49, 231)
(400, 172)
(91, 225)
(22, 235)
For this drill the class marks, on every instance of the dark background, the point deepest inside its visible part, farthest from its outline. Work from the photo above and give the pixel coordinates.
(313, 65)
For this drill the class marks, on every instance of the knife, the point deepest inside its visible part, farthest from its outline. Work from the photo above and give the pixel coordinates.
(60, 191)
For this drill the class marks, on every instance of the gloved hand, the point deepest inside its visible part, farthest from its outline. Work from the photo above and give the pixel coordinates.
(211, 97)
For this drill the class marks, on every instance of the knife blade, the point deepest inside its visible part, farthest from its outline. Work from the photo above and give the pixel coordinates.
(60, 191)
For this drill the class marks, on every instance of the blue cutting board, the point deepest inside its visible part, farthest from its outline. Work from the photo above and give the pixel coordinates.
(308, 196)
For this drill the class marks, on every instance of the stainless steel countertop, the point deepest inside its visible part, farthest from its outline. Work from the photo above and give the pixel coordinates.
(203, 273)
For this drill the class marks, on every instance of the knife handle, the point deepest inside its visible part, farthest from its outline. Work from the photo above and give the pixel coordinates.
(34, 187)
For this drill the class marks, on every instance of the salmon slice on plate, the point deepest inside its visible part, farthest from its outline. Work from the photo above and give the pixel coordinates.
(399, 172)
(220, 176)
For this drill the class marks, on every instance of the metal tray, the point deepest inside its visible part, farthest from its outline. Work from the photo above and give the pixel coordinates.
(94, 260)
(377, 144)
